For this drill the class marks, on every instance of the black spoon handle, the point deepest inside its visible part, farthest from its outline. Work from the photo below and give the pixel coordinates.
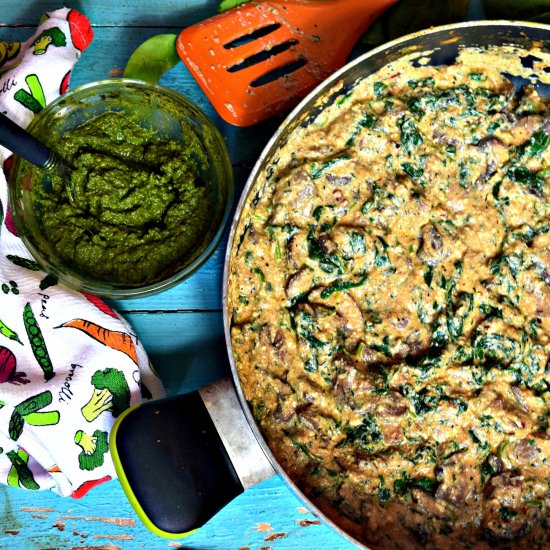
(20, 142)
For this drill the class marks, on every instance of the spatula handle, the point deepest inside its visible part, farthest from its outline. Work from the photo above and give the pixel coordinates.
(181, 460)
(22, 143)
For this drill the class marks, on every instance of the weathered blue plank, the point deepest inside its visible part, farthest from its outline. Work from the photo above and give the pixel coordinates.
(125, 13)
(187, 349)
(265, 516)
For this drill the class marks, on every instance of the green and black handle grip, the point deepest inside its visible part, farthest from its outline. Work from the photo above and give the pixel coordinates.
(182, 459)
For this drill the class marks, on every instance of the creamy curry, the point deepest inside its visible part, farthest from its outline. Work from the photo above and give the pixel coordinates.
(389, 301)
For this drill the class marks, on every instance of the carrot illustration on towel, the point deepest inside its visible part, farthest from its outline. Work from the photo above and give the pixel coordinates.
(114, 339)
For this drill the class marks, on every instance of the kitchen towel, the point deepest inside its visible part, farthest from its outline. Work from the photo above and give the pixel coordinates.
(69, 364)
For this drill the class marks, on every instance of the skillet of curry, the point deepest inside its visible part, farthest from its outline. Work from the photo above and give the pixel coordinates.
(389, 301)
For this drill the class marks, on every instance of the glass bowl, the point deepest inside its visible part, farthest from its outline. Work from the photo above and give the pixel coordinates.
(123, 222)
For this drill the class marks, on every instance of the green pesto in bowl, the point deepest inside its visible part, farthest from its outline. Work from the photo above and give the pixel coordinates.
(143, 197)
(133, 203)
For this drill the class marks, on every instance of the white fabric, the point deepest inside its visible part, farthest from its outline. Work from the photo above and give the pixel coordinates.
(47, 443)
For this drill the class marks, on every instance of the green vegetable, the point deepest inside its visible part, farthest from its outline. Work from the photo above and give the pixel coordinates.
(410, 136)
(538, 142)
(366, 121)
(524, 176)
(228, 4)
(357, 242)
(38, 344)
(422, 401)
(478, 77)
(401, 485)
(304, 448)
(24, 262)
(366, 434)
(494, 349)
(338, 286)
(381, 258)
(153, 58)
(260, 273)
(455, 324)
(312, 339)
(413, 172)
(428, 276)
(94, 448)
(16, 425)
(380, 89)
(427, 484)
(427, 82)
(34, 403)
(330, 263)
(111, 393)
(27, 411)
(487, 471)
(474, 437)
(9, 333)
(384, 494)
(317, 170)
(384, 347)
(20, 474)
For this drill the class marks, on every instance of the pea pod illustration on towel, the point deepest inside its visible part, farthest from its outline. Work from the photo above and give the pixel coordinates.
(93, 448)
(38, 344)
(113, 339)
(30, 411)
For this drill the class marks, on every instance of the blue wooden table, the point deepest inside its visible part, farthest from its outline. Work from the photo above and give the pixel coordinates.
(180, 328)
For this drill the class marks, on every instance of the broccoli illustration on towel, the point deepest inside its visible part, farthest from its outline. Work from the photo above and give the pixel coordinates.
(111, 393)
(93, 447)
(52, 36)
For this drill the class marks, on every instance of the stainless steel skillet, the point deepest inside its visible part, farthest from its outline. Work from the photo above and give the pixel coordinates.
(214, 451)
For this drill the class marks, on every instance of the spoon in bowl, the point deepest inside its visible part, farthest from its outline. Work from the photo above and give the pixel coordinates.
(25, 145)
(22, 143)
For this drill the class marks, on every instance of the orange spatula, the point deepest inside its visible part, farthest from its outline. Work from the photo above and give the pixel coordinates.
(260, 58)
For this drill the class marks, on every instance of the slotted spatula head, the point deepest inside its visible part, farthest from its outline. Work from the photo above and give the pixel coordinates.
(262, 57)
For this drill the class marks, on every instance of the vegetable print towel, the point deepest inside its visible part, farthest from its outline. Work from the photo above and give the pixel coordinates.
(69, 365)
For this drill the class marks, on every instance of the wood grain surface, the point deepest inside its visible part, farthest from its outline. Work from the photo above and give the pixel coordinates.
(180, 328)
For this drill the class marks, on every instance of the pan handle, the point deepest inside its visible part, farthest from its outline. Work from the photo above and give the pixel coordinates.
(182, 459)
